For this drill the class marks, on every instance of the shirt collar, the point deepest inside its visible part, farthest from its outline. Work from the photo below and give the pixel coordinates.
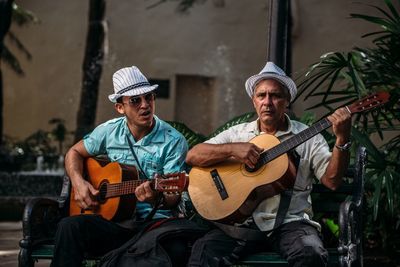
(155, 136)
(252, 127)
(289, 129)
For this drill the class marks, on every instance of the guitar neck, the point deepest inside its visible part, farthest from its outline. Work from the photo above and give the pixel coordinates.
(294, 141)
(121, 189)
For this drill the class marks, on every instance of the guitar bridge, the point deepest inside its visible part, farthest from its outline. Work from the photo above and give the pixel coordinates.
(219, 184)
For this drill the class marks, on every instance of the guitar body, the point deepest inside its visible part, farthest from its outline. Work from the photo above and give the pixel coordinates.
(101, 173)
(244, 190)
(229, 193)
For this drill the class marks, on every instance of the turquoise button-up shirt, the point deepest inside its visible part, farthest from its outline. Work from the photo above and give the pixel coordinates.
(162, 151)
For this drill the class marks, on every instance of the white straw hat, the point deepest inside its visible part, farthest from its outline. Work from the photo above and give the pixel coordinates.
(271, 71)
(130, 82)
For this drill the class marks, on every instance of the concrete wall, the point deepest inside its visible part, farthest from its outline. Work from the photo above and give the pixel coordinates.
(226, 44)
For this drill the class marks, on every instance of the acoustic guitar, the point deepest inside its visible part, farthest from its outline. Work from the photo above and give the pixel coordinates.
(229, 192)
(117, 183)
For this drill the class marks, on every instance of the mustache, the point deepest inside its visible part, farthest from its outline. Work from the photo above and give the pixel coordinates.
(145, 112)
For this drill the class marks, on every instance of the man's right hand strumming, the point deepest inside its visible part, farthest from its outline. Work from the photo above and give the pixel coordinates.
(85, 195)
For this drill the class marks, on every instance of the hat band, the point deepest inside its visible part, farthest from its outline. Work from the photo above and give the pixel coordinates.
(132, 87)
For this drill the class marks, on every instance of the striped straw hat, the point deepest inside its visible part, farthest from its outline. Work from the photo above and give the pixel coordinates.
(130, 82)
(271, 71)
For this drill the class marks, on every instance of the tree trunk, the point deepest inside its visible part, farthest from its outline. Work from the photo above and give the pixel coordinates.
(5, 21)
(92, 68)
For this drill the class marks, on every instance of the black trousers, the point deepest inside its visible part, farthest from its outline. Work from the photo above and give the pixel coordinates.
(298, 242)
(82, 235)
(90, 235)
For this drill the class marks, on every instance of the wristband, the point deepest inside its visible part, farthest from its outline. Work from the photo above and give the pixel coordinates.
(344, 147)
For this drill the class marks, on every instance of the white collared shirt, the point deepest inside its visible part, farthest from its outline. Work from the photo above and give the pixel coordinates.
(314, 158)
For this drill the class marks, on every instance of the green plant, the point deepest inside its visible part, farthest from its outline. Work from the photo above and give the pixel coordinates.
(340, 78)
(194, 138)
(17, 155)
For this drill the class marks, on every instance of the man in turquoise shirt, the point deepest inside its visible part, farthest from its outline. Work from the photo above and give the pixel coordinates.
(139, 138)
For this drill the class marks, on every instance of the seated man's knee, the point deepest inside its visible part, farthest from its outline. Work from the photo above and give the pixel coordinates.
(310, 254)
(71, 224)
(315, 256)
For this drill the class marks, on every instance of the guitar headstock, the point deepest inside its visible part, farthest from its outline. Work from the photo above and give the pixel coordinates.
(171, 183)
(369, 102)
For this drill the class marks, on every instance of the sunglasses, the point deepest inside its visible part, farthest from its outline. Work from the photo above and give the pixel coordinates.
(137, 100)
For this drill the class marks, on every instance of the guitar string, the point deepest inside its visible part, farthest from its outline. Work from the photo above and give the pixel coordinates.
(128, 187)
(296, 140)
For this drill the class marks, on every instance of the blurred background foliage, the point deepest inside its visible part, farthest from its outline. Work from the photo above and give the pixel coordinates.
(21, 155)
(340, 78)
(20, 17)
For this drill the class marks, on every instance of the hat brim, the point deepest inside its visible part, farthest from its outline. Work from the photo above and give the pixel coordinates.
(287, 82)
(134, 92)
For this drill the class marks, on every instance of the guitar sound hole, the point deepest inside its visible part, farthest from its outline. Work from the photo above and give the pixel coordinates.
(249, 169)
(102, 192)
(264, 158)
(253, 169)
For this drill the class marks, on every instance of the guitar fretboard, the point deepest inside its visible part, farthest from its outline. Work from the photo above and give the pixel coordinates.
(293, 142)
(120, 189)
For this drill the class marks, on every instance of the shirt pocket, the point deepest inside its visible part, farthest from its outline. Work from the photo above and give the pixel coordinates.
(303, 180)
(152, 166)
(118, 155)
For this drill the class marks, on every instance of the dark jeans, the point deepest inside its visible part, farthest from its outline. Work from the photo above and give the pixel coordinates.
(298, 242)
(80, 235)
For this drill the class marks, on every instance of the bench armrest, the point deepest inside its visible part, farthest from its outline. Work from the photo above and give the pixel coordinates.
(350, 218)
(41, 215)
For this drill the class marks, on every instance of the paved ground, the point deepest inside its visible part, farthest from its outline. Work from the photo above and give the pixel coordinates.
(10, 234)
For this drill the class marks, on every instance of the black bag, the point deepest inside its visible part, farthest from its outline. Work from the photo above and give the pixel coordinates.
(152, 245)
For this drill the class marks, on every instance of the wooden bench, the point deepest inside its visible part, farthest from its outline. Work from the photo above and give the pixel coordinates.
(344, 205)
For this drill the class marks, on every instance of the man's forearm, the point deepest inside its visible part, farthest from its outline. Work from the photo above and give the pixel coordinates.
(208, 154)
(336, 168)
(74, 164)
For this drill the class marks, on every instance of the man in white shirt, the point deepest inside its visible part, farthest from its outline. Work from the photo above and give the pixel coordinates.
(297, 237)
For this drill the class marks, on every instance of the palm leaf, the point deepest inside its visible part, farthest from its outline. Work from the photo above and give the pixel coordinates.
(392, 9)
(376, 20)
(377, 124)
(336, 100)
(382, 11)
(11, 61)
(389, 180)
(23, 16)
(192, 137)
(373, 152)
(14, 40)
(377, 195)
(327, 69)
